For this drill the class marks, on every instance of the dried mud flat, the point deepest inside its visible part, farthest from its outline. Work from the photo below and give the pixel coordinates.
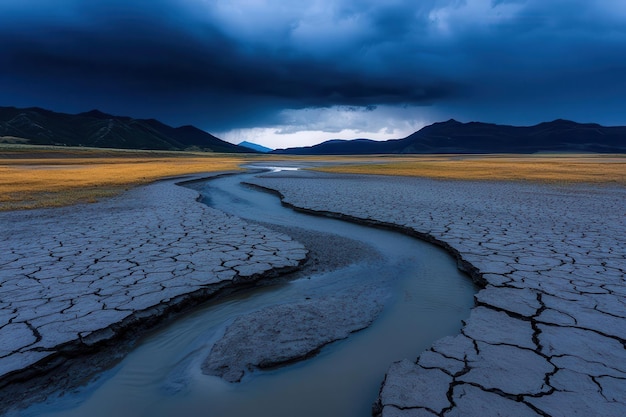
(546, 338)
(78, 279)
(548, 334)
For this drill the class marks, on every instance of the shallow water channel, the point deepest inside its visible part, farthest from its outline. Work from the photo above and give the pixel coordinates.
(428, 298)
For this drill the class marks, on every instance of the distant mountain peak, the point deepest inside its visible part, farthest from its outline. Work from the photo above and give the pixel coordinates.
(189, 128)
(562, 122)
(255, 146)
(565, 123)
(95, 113)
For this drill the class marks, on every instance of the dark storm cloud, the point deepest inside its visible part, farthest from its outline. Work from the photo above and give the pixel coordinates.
(238, 63)
(158, 51)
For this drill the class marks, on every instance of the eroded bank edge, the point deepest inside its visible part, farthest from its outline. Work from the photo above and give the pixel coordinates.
(462, 264)
(110, 344)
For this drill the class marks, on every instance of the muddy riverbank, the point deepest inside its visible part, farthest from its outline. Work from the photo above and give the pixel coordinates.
(338, 381)
(547, 335)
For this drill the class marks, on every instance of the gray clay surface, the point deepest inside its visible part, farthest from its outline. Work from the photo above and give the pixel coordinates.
(75, 276)
(548, 335)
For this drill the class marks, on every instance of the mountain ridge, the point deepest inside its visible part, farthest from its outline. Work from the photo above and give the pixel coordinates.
(95, 128)
(452, 136)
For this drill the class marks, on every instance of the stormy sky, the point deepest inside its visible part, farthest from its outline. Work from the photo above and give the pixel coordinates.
(286, 73)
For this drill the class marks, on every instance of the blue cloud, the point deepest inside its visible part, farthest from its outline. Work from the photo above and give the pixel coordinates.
(236, 63)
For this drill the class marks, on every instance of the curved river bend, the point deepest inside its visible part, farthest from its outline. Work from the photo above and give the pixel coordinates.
(162, 377)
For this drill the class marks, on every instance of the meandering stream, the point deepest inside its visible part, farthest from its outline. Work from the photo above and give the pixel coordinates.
(161, 377)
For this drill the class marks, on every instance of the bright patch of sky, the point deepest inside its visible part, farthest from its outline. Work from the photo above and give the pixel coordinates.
(307, 127)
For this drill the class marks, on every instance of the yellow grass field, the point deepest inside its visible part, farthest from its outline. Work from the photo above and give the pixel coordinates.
(50, 177)
(35, 177)
(562, 168)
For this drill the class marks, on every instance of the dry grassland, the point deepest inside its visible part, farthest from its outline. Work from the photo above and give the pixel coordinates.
(49, 177)
(35, 177)
(540, 168)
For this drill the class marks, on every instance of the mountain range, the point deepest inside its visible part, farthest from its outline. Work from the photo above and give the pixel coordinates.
(475, 137)
(97, 129)
(37, 126)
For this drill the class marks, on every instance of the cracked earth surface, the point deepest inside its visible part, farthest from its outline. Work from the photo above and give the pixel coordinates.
(75, 276)
(548, 334)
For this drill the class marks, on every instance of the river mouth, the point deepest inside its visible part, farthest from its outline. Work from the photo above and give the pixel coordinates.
(426, 299)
